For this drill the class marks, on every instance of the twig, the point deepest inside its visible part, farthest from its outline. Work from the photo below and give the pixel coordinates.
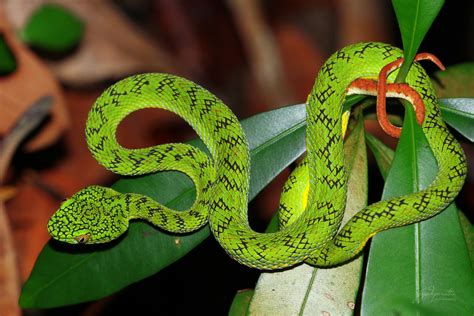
(25, 124)
(262, 51)
(9, 275)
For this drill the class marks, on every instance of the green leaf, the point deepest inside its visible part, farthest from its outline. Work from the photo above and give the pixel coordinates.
(456, 81)
(456, 86)
(414, 19)
(53, 28)
(273, 225)
(352, 100)
(65, 274)
(459, 113)
(422, 268)
(241, 302)
(7, 59)
(383, 154)
(311, 291)
(468, 229)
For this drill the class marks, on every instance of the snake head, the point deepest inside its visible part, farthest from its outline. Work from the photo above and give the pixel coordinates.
(91, 216)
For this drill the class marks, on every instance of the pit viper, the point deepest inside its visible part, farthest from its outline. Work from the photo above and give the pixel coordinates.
(98, 214)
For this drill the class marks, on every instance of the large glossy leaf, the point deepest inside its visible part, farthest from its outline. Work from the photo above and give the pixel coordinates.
(65, 274)
(455, 87)
(468, 229)
(53, 28)
(459, 113)
(383, 154)
(422, 268)
(455, 82)
(305, 290)
(414, 19)
(241, 303)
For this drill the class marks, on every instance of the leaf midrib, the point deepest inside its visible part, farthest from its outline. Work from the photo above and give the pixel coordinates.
(415, 23)
(308, 291)
(417, 239)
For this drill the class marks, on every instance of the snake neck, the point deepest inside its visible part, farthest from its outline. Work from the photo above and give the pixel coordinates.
(144, 208)
(140, 206)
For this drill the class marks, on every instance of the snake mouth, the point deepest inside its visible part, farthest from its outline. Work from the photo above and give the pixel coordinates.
(81, 238)
(68, 240)
(74, 240)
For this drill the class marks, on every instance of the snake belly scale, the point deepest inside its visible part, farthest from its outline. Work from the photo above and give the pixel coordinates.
(96, 214)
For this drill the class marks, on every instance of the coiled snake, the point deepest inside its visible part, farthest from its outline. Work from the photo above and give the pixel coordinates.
(97, 214)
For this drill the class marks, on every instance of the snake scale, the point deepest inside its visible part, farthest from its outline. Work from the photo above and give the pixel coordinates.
(98, 214)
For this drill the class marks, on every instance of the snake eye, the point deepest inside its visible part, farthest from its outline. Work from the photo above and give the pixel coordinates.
(82, 239)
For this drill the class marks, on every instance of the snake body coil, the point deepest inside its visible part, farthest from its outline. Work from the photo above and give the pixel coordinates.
(96, 214)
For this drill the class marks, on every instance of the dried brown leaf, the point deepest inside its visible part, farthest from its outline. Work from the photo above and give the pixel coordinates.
(20, 89)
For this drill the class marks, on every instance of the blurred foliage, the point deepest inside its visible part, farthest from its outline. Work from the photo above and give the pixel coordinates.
(7, 59)
(52, 28)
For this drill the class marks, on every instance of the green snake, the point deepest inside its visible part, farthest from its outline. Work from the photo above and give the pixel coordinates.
(98, 214)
